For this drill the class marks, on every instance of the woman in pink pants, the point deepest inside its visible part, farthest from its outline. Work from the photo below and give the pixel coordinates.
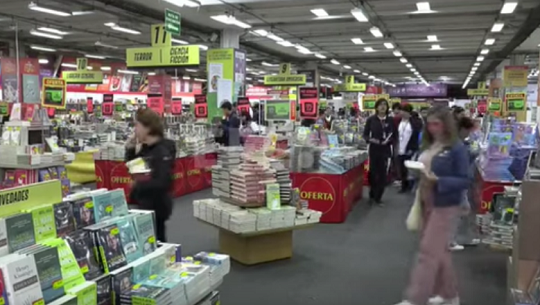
(446, 176)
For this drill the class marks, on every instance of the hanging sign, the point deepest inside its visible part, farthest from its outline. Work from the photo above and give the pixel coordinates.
(83, 75)
(369, 100)
(90, 105)
(243, 105)
(309, 100)
(201, 106)
(494, 104)
(51, 112)
(516, 101)
(161, 57)
(172, 22)
(176, 106)
(285, 77)
(54, 93)
(515, 76)
(277, 110)
(4, 109)
(107, 107)
(350, 85)
(118, 107)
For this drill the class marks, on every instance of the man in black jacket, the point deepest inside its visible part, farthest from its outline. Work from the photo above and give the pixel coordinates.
(379, 133)
(230, 125)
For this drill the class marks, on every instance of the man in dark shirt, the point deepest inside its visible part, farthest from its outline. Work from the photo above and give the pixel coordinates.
(230, 125)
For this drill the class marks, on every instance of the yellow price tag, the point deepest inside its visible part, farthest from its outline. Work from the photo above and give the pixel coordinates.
(136, 286)
(153, 277)
(152, 239)
(2, 301)
(211, 254)
(58, 284)
(115, 231)
(197, 263)
(109, 209)
(173, 259)
(84, 269)
(40, 302)
(89, 205)
(184, 274)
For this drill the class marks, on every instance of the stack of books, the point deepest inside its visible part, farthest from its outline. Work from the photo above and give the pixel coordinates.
(500, 234)
(283, 178)
(255, 143)
(248, 183)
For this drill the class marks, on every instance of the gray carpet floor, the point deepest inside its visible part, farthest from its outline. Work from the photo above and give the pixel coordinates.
(364, 261)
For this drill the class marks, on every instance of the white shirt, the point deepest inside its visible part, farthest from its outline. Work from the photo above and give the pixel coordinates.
(404, 132)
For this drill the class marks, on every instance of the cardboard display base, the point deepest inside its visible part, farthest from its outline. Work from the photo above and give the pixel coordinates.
(485, 189)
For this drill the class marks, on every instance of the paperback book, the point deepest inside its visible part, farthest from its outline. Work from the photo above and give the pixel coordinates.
(4, 249)
(63, 216)
(119, 203)
(104, 291)
(82, 245)
(71, 273)
(103, 209)
(20, 231)
(128, 236)
(22, 282)
(49, 272)
(83, 211)
(44, 223)
(110, 247)
(144, 224)
(86, 293)
(121, 282)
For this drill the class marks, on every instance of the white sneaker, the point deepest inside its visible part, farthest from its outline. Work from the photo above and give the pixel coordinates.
(436, 300)
(456, 247)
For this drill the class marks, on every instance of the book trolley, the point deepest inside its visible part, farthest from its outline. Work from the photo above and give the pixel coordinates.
(88, 248)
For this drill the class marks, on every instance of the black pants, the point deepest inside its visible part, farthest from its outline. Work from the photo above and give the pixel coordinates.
(378, 174)
(404, 173)
(161, 230)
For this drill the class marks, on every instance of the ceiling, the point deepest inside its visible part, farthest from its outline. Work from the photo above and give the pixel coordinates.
(461, 28)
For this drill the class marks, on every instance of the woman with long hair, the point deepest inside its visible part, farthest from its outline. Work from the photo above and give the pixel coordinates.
(444, 178)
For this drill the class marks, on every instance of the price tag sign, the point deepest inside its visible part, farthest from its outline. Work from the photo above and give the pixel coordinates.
(309, 100)
(201, 106)
(4, 109)
(176, 107)
(118, 107)
(51, 112)
(243, 105)
(90, 105)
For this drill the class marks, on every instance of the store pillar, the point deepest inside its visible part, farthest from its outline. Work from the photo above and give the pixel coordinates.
(230, 38)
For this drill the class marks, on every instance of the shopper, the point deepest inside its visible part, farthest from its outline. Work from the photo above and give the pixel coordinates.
(408, 144)
(230, 125)
(152, 192)
(443, 181)
(380, 133)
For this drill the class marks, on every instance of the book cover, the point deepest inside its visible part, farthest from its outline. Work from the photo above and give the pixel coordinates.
(119, 203)
(103, 208)
(44, 223)
(104, 291)
(63, 216)
(49, 273)
(128, 236)
(121, 282)
(71, 273)
(82, 245)
(141, 269)
(4, 249)
(83, 211)
(22, 281)
(3, 292)
(86, 293)
(144, 224)
(20, 231)
(110, 247)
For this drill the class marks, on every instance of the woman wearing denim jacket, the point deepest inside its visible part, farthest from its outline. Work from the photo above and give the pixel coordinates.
(441, 187)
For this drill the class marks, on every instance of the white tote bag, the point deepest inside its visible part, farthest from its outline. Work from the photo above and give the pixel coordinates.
(414, 219)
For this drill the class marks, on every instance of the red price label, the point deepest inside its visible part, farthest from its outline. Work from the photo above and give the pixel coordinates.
(176, 107)
(90, 105)
(107, 108)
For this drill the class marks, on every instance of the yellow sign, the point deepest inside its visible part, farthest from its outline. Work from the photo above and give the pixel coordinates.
(375, 97)
(394, 100)
(349, 79)
(494, 104)
(276, 80)
(162, 57)
(481, 85)
(285, 69)
(26, 197)
(350, 87)
(160, 37)
(83, 77)
(82, 63)
(478, 92)
(515, 76)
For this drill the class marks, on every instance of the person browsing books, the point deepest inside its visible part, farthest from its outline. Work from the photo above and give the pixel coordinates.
(152, 192)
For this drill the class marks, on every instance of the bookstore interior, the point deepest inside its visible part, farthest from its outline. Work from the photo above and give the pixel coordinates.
(74, 74)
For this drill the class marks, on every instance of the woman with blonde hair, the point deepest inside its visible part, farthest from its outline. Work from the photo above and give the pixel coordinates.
(444, 178)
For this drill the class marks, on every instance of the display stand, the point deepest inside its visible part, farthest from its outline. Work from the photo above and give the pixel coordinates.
(333, 195)
(485, 189)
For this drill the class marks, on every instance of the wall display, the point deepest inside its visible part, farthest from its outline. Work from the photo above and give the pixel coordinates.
(277, 110)
(54, 93)
(309, 100)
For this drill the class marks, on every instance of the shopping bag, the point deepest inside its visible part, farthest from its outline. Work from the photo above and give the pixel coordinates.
(414, 219)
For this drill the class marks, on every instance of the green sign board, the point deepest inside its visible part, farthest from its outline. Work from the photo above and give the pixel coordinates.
(172, 22)
(277, 110)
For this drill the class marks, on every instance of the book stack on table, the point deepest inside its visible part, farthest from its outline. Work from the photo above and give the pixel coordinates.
(248, 183)
(228, 158)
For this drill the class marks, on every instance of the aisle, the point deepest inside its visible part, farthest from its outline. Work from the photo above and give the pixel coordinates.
(365, 261)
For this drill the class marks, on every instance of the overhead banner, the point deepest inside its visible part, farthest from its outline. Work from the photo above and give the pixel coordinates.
(277, 110)
(83, 77)
(54, 93)
(350, 85)
(285, 77)
(162, 57)
(515, 76)
(418, 90)
(309, 99)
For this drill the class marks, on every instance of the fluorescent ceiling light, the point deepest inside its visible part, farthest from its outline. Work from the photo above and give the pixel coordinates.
(81, 13)
(48, 10)
(423, 7)
(476, 64)
(303, 50)
(66, 65)
(179, 41)
(497, 27)
(369, 49)
(474, 69)
(432, 38)
(200, 80)
(371, 77)
(151, 73)
(105, 68)
(335, 62)
(509, 7)
(403, 60)
(128, 72)
(375, 31)
(285, 43)
(490, 41)
(484, 51)
(89, 68)
(122, 29)
(320, 55)
(356, 71)
(264, 63)
(249, 78)
(231, 20)
(261, 32)
(408, 65)
(248, 59)
(186, 77)
(203, 47)
(51, 30)
(347, 67)
(101, 44)
(397, 53)
(480, 58)
(94, 56)
(436, 47)
(365, 74)
(388, 45)
(43, 61)
(45, 35)
(357, 40)
(42, 49)
(319, 12)
(358, 13)
(192, 70)
(274, 37)
(181, 3)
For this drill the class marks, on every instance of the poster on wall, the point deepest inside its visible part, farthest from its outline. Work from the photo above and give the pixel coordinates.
(215, 73)
(243, 105)
(224, 91)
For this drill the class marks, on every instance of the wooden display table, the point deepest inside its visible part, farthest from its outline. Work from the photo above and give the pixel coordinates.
(258, 247)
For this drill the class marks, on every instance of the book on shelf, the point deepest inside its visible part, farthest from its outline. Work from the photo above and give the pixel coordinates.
(64, 220)
(20, 231)
(144, 224)
(44, 222)
(119, 203)
(110, 248)
(103, 209)
(86, 293)
(121, 282)
(21, 279)
(83, 211)
(71, 272)
(49, 272)
(82, 245)
(104, 291)
(128, 236)
(4, 249)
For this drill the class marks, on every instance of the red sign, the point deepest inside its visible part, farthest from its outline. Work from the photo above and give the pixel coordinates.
(481, 106)
(90, 104)
(309, 102)
(120, 178)
(107, 107)
(155, 103)
(201, 106)
(243, 105)
(176, 107)
(51, 112)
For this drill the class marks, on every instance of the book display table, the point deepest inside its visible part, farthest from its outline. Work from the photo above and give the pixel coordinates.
(485, 189)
